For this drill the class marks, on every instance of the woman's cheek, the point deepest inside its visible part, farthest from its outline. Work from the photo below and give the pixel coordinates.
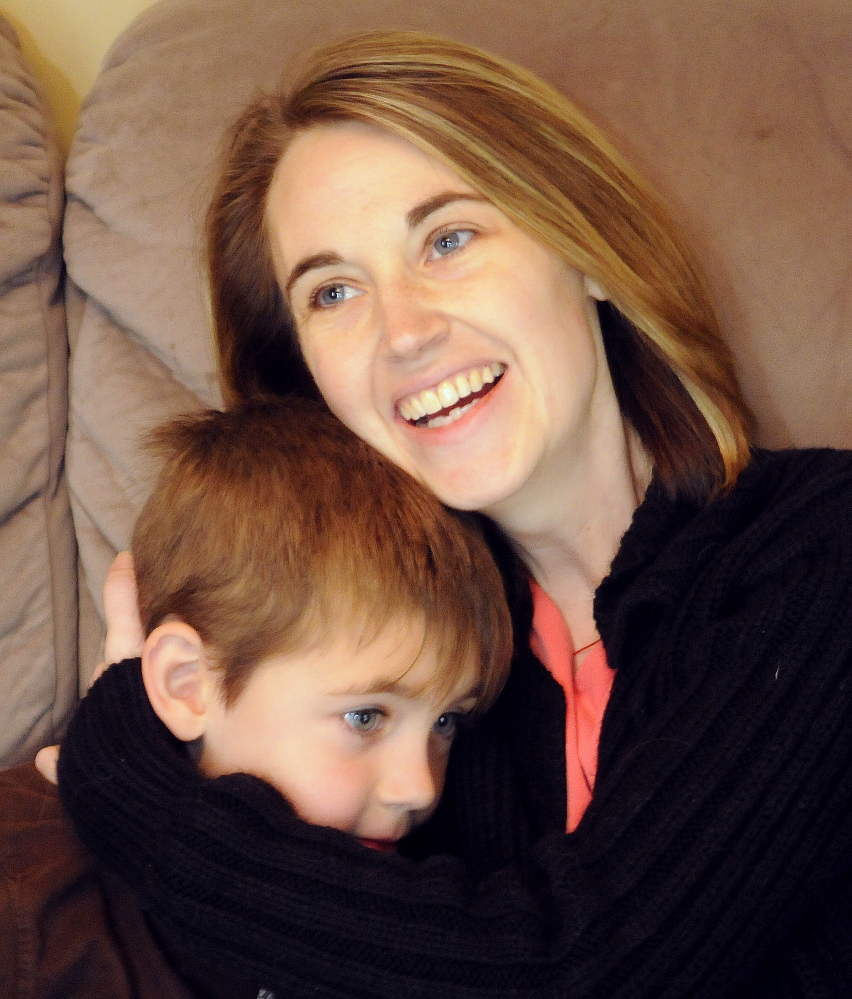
(343, 365)
(346, 386)
(333, 367)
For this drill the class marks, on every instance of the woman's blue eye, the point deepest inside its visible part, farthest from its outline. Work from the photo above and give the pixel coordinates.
(449, 242)
(363, 719)
(332, 294)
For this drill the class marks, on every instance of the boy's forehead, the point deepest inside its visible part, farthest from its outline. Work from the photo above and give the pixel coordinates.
(399, 659)
(418, 681)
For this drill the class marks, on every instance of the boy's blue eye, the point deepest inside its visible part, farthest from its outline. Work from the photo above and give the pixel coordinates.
(363, 719)
(449, 242)
(448, 724)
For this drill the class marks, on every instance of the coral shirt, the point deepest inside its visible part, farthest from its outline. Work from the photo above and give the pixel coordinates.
(586, 694)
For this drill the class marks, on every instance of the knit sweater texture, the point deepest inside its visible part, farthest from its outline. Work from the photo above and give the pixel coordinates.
(715, 857)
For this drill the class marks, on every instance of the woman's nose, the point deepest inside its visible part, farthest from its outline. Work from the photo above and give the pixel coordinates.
(411, 320)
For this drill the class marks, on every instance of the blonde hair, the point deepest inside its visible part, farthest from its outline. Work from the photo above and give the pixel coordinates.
(536, 156)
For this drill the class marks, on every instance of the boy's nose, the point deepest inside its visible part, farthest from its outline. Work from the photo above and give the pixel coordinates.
(410, 780)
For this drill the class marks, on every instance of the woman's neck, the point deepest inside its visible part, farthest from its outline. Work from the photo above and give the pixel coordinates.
(571, 531)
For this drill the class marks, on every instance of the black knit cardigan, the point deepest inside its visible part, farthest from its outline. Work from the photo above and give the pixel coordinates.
(714, 860)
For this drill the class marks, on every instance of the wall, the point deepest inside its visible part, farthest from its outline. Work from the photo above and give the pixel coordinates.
(65, 42)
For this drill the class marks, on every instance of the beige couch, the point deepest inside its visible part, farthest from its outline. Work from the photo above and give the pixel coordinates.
(740, 110)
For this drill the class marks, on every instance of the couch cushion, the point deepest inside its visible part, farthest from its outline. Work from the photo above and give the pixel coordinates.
(38, 621)
(740, 112)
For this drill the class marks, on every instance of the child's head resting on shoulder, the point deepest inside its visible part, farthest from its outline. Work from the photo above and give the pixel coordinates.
(314, 615)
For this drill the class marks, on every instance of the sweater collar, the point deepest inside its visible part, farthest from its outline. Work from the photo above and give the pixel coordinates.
(662, 553)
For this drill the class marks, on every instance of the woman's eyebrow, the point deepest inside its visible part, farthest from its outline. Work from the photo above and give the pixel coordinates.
(308, 264)
(413, 218)
(422, 211)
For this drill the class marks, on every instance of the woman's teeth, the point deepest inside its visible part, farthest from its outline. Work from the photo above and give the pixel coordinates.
(438, 406)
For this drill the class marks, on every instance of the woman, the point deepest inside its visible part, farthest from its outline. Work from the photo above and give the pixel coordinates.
(447, 252)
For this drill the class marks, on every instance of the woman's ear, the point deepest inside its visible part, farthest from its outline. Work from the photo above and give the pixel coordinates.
(593, 289)
(178, 679)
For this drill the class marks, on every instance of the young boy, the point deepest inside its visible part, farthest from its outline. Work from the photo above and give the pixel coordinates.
(314, 618)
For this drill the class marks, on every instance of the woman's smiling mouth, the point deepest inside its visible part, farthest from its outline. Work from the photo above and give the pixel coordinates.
(450, 399)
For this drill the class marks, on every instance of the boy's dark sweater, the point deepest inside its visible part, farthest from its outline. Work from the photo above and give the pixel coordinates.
(714, 859)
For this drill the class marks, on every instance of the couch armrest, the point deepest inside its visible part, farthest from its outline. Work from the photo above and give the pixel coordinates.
(38, 616)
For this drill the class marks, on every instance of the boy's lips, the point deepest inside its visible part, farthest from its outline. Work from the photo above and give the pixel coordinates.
(378, 844)
(450, 399)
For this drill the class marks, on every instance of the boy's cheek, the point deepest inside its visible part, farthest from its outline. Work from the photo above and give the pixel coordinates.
(325, 792)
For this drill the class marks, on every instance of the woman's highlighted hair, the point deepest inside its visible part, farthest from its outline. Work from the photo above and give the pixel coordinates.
(538, 158)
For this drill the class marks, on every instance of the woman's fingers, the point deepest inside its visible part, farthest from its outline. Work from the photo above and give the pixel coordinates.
(46, 760)
(97, 671)
(124, 637)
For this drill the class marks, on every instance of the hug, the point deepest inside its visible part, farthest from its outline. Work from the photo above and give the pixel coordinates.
(615, 731)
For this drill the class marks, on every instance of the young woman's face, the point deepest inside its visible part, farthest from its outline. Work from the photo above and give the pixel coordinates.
(434, 327)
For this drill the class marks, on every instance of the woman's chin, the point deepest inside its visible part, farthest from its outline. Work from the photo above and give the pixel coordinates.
(486, 486)
(474, 463)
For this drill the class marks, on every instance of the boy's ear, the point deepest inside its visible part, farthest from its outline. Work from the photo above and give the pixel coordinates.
(178, 679)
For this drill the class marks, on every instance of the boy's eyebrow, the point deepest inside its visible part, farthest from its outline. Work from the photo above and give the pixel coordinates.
(397, 686)
(379, 686)
(413, 218)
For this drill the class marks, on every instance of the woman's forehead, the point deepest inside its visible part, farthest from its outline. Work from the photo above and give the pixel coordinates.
(345, 187)
(349, 159)
(356, 137)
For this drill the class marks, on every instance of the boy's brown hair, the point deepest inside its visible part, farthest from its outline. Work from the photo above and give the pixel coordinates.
(272, 526)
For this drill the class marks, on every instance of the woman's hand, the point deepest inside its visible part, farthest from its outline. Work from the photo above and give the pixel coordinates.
(124, 638)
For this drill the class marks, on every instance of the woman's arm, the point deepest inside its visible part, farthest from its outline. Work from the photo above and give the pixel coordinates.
(722, 813)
